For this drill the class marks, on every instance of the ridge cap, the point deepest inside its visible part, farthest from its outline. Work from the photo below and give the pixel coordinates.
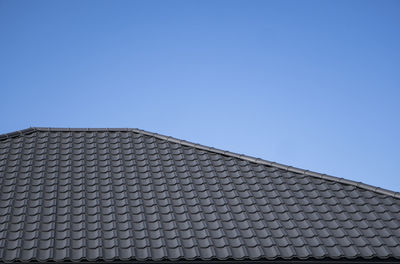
(17, 133)
(310, 173)
(274, 164)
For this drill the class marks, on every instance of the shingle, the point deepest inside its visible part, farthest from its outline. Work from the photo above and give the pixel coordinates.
(126, 194)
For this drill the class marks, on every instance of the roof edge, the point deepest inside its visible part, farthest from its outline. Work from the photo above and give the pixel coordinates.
(273, 164)
(228, 261)
(17, 133)
(215, 150)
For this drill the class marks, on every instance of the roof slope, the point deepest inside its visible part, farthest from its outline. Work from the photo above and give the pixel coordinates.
(98, 194)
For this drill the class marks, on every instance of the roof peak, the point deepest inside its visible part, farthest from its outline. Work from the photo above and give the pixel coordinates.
(211, 149)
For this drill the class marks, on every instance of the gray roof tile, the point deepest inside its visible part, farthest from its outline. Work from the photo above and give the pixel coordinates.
(98, 194)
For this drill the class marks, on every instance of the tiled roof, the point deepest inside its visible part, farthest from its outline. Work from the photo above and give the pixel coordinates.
(127, 194)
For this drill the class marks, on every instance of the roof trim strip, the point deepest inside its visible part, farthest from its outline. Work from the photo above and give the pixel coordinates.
(243, 261)
(211, 149)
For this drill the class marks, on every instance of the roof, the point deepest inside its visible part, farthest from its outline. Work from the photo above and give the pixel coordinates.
(128, 194)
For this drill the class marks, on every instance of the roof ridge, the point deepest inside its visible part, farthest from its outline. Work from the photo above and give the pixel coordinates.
(215, 150)
(274, 164)
(17, 133)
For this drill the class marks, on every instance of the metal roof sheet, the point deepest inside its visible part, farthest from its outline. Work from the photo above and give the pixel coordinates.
(128, 194)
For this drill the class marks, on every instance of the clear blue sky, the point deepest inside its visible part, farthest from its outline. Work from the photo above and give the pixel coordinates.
(312, 84)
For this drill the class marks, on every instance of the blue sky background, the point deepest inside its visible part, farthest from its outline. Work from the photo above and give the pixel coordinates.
(312, 84)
